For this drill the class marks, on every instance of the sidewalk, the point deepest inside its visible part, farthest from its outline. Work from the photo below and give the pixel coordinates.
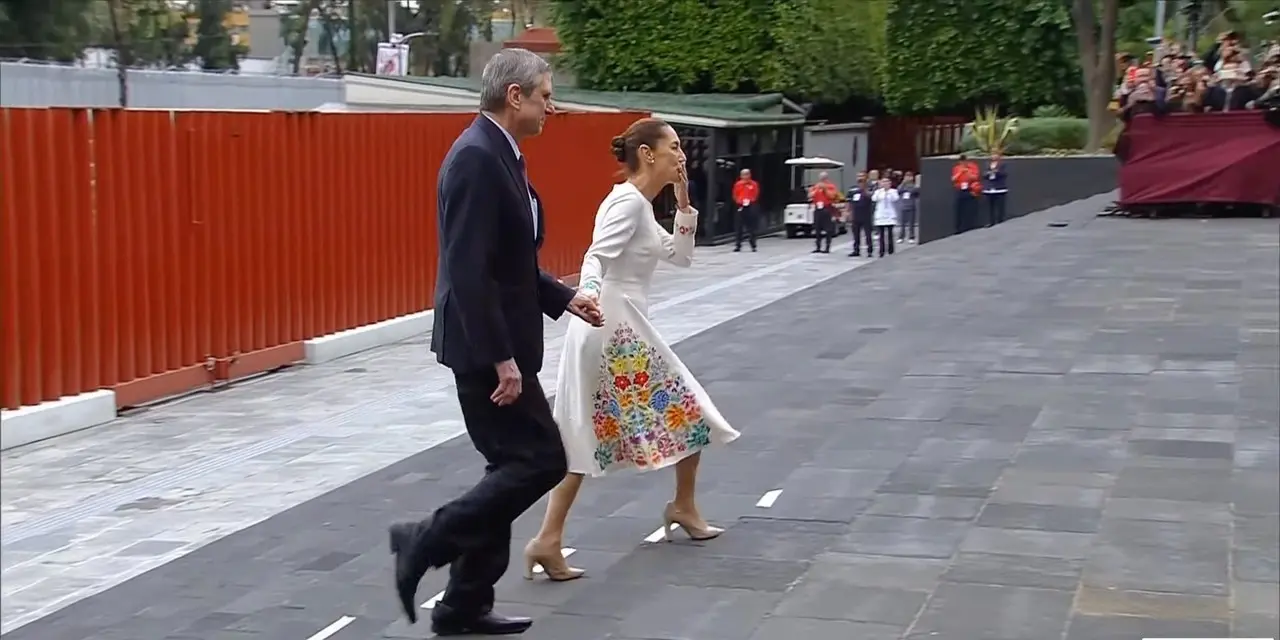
(89, 510)
(1021, 433)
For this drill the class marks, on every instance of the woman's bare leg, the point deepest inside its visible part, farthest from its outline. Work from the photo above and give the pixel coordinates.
(545, 548)
(559, 501)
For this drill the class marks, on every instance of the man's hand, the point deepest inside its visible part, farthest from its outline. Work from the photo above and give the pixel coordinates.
(509, 383)
(585, 305)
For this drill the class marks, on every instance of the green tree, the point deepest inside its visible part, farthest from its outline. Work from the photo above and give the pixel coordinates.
(45, 29)
(1094, 24)
(213, 46)
(953, 55)
(810, 49)
(157, 33)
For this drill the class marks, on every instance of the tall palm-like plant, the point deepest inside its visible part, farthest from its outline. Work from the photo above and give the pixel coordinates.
(991, 134)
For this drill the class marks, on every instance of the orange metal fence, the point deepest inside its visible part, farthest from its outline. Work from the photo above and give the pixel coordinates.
(900, 142)
(152, 252)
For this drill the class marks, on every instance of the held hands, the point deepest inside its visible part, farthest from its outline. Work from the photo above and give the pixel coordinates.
(509, 383)
(586, 305)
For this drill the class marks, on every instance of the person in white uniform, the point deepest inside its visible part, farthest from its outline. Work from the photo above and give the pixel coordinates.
(624, 401)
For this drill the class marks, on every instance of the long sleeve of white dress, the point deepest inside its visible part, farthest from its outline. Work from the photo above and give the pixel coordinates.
(614, 228)
(678, 247)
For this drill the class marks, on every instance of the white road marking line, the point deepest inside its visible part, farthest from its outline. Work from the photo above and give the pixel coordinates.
(566, 552)
(338, 625)
(657, 535)
(431, 604)
(769, 498)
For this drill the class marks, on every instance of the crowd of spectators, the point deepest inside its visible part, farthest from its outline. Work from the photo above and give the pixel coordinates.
(1173, 79)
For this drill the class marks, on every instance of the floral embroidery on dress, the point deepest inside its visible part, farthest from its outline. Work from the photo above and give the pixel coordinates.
(684, 229)
(644, 412)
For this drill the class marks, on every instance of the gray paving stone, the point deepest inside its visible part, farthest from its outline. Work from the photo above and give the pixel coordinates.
(689, 565)
(1026, 542)
(994, 612)
(1134, 554)
(906, 537)
(1255, 626)
(1086, 627)
(1050, 365)
(1197, 485)
(1041, 517)
(1095, 600)
(817, 482)
(925, 506)
(1166, 510)
(1050, 494)
(675, 613)
(778, 539)
(831, 600)
(779, 628)
(963, 478)
(1182, 449)
(1016, 571)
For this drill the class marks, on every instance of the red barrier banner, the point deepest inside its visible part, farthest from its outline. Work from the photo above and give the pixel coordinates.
(1201, 157)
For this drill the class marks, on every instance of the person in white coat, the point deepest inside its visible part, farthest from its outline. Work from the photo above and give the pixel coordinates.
(624, 401)
(885, 217)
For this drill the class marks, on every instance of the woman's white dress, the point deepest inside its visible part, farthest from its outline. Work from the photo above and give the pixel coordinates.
(623, 398)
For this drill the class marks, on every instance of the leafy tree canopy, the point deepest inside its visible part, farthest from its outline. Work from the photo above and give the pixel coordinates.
(44, 30)
(810, 49)
(949, 55)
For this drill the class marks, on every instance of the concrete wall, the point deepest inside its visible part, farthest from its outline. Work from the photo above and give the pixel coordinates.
(33, 85)
(1035, 183)
(846, 143)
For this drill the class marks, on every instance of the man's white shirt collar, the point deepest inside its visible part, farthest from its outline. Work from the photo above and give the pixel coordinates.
(533, 204)
(510, 139)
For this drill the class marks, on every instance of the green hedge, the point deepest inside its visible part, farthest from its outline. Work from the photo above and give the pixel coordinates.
(1040, 135)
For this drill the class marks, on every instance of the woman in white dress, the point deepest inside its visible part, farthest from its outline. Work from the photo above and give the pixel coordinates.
(623, 399)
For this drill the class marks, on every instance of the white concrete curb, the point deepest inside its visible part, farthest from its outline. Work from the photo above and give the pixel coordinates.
(26, 425)
(352, 341)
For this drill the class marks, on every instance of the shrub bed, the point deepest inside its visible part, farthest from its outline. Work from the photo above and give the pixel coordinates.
(1044, 136)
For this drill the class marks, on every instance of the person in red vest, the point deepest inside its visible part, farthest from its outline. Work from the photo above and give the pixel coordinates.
(966, 178)
(746, 197)
(823, 196)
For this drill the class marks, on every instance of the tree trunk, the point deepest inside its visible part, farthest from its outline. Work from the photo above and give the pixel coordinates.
(123, 55)
(1096, 39)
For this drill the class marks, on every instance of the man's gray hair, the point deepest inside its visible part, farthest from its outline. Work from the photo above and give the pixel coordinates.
(507, 67)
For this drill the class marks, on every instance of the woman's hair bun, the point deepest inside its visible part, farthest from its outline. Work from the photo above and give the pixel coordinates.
(619, 147)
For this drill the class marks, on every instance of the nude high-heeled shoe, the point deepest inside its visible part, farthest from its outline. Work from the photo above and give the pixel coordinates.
(553, 564)
(672, 517)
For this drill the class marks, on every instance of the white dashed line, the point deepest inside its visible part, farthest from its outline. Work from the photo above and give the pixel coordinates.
(338, 625)
(431, 604)
(768, 499)
(657, 535)
(566, 552)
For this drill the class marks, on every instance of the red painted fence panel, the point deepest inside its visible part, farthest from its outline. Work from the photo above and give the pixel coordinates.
(153, 252)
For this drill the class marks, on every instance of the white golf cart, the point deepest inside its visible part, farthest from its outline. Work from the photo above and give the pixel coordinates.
(798, 216)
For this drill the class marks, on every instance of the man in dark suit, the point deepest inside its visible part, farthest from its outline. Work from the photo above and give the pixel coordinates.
(489, 303)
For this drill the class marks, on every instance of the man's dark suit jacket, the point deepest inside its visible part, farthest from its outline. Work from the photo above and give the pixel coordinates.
(490, 293)
(1216, 98)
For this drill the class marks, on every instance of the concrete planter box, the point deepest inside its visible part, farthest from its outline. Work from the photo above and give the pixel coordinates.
(1035, 183)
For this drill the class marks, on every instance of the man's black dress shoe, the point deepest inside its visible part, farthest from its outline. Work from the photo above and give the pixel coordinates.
(445, 623)
(407, 573)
